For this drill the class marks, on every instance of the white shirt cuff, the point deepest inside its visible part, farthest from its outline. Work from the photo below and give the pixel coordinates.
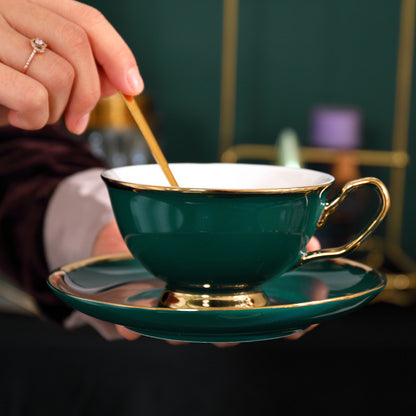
(79, 208)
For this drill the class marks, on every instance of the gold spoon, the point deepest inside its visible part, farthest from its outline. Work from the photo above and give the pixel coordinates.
(149, 137)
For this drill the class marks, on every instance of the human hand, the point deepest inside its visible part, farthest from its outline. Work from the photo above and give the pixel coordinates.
(86, 59)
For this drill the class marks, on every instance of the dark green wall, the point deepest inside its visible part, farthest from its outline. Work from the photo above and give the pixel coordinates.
(293, 54)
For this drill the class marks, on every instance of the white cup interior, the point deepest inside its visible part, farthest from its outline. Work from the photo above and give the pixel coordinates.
(221, 176)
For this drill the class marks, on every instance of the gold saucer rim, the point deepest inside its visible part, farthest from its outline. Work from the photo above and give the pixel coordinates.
(55, 275)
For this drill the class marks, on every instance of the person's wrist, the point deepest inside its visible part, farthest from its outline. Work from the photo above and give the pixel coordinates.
(109, 241)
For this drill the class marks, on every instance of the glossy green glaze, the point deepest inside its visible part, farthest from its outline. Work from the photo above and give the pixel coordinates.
(123, 292)
(216, 239)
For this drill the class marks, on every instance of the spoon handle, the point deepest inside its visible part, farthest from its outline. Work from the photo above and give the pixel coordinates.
(149, 137)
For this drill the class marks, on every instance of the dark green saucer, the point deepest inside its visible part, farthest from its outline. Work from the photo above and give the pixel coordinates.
(119, 290)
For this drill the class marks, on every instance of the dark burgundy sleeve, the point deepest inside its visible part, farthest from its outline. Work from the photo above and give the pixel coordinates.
(31, 166)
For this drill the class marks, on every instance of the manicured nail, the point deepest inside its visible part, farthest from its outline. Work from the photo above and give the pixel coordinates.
(82, 124)
(135, 81)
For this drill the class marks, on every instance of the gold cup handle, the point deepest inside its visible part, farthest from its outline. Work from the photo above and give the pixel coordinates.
(331, 206)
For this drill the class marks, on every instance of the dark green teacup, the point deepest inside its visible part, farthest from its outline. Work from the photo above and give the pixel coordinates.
(228, 228)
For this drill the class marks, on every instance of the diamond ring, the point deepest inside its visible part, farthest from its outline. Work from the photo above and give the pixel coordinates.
(39, 46)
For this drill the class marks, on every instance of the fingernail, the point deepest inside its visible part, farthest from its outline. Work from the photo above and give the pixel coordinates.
(82, 124)
(135, 81)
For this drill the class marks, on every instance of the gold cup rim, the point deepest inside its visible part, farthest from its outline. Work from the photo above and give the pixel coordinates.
(136, 187)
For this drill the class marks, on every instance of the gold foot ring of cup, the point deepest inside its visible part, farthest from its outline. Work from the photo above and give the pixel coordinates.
(240, 300)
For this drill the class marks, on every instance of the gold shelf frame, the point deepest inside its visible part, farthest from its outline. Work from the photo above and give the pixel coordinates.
(396, 159)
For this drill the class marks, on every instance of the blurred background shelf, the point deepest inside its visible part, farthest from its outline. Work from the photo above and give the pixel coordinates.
(399, 267)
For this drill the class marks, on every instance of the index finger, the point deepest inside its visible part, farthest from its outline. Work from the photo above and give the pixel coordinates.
(109, 48)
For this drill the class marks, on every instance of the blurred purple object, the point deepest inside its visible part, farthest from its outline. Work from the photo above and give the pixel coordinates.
(335, 127)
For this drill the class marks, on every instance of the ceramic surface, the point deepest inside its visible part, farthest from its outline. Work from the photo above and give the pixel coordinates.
(229, 227)
(121, 291)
